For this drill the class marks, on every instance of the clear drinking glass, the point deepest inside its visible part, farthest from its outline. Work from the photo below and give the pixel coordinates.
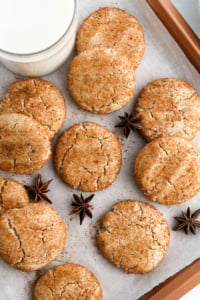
(45, 61)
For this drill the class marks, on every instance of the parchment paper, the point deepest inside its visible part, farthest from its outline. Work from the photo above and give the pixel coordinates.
(163, 58)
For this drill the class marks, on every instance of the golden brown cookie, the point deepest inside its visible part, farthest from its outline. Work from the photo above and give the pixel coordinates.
(68, 281)
(112, 27)
(24, 144)
(88, 157)
(167, 170)
(36, 98)
(168, 106)
(101, 81)
(134, 236)
(12, 195)
(31, 237)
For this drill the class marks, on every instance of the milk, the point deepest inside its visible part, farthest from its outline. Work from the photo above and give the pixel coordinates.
(36, 36)
(31, 26)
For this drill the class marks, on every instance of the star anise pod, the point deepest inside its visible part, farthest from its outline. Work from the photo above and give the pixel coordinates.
(82, 206)
(39, 190)
(188, 221)
(129, 122)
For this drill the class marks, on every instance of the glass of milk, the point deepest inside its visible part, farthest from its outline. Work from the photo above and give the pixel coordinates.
(36, 36)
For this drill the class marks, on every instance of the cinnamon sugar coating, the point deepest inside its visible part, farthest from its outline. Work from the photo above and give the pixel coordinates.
(69, 281)
(12, 195)
(24, 144)
(112, 27)
(168, 107)
(101, 80)
(31, 237)
(38, 99)
(167, 170)
(88, 157)
(134, 236)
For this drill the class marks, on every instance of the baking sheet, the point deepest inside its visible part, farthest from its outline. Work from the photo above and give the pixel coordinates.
(163, 58)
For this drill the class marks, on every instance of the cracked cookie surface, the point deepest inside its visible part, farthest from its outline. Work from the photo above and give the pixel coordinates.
(31, 237)
(101, 80)
(24, 144)
(134, 236)
(167, 170)
(112, 28)
(88, 157)
(12, 195)
(168, 107)
(69, 281)
(36, 98)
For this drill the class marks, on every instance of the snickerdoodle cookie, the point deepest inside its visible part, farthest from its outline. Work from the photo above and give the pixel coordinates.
(31, 237)
(24, 144)
(112, 27)
(12, 195)
(36, 98)
(134, 236)
(168, 106)
(88, 157)
(69, 281)
(167, 170)
(101, 80)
